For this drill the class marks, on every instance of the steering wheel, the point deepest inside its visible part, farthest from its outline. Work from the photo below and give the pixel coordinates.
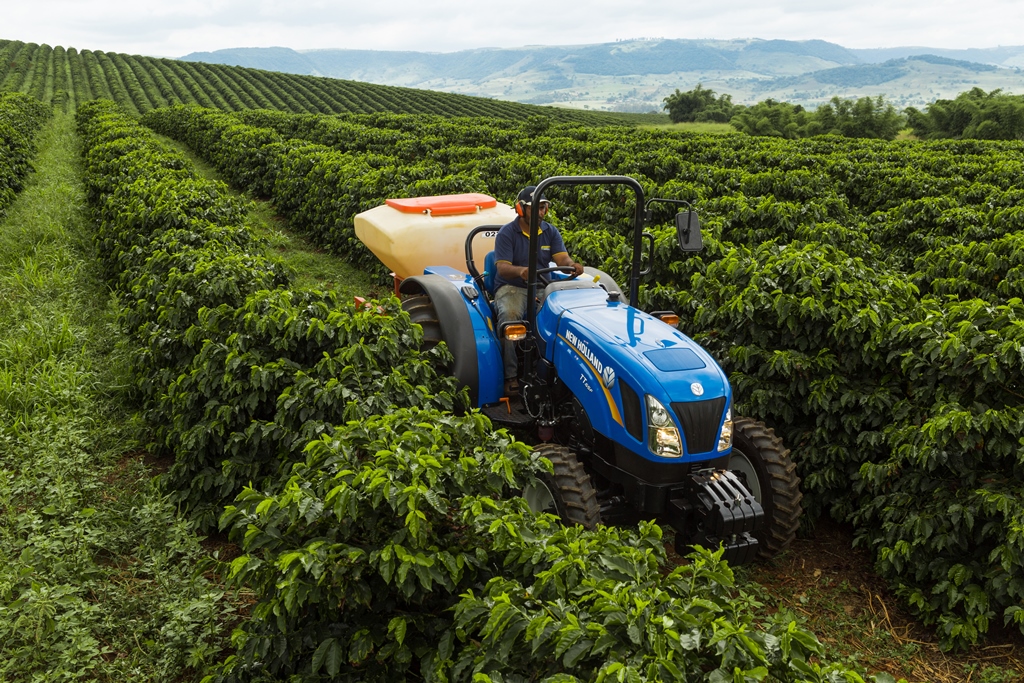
(568, 270)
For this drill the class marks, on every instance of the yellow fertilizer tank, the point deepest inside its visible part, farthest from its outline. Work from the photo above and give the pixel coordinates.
(407, 235)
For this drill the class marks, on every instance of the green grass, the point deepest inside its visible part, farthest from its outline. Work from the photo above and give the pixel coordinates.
(312, 266)
(716, 128)
(98, 580)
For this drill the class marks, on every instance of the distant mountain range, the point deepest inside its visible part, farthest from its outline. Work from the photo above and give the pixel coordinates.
(636, 75)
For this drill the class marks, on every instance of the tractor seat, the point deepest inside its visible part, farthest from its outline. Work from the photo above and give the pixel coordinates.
(490, 267)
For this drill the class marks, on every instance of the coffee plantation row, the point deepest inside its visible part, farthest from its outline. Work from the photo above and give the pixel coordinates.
(67, 77)
(379, 534)
(864, 296)
(20, 117)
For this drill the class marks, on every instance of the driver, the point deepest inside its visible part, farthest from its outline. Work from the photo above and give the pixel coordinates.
(512, 254)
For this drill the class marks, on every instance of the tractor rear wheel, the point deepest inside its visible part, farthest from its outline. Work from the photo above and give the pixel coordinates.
(763, 461)
(422, 312)
(568, 492)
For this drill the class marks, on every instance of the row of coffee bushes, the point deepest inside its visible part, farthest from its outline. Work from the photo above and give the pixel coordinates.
(21, 116)
(321, 188)
(394, 553)
(380, 540)
(230, 362)
(895, 376)
(902, 408)
(58, 76)
(896, 204)
(906, 408)
(821, 290)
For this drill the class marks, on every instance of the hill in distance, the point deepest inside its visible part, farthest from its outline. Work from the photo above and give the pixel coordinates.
(68, 77)
(636, 75)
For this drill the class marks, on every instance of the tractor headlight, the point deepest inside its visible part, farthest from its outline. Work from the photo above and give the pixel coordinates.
(662, 434)
(725, 441)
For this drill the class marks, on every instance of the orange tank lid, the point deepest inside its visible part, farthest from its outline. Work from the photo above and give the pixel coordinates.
(445, 205)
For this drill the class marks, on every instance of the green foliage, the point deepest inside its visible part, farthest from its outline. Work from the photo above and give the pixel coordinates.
(972, 114)
(367, 556)
(322, 171)
(175, 242)
(99, 579)
(278, 372)
(387, 555)
(864, 118)
(599, 606)
(360, 557)
(21, 117)
(836, 274)
(775, 119)
(700, 104)
(237, 373)
(139, 84)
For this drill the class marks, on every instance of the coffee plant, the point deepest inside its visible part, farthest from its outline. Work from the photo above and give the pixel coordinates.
(20, 117)
(394, 551)
(138, 84)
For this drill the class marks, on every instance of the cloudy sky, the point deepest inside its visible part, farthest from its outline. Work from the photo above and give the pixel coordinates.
(172, 28)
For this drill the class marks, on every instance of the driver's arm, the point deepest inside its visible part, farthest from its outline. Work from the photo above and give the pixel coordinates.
(563, 259)
(510, 272)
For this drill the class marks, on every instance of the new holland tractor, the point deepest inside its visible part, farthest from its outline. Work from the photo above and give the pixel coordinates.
(636, 418)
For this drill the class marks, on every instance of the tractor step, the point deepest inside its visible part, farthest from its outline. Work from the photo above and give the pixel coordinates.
(509, 411)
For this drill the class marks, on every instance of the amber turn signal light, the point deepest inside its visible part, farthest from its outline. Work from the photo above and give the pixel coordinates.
(514, 332)
(669, 318)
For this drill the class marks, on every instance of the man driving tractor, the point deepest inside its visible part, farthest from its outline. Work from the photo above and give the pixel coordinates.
(512, 255)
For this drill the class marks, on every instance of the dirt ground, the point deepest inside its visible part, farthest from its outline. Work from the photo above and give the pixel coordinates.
(830, 584)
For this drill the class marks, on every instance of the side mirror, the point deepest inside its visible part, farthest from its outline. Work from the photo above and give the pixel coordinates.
(688, 231)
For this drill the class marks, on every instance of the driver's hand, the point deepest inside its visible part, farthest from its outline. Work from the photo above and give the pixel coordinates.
(578, 267)
(525, 273)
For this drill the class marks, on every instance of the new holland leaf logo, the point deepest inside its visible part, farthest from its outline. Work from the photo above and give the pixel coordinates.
(608, 376)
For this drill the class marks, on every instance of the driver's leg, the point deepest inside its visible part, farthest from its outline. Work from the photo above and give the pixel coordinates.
(511, 304)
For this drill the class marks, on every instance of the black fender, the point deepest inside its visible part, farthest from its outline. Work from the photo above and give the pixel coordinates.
(456, 326)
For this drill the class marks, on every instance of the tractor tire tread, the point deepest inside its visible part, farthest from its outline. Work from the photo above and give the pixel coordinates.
(785, 509)
(421, 311)
(579, 497)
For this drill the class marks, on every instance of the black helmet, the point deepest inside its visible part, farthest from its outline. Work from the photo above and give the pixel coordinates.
(526, 196)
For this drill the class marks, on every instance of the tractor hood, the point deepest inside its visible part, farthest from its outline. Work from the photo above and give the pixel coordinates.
(598, 344)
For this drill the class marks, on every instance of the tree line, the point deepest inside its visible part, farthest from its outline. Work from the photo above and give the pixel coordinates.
(971, 115)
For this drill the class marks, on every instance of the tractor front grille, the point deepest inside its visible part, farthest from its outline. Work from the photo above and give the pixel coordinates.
(700, 420)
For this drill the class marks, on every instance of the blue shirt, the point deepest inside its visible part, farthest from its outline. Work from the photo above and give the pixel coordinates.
(512, 245)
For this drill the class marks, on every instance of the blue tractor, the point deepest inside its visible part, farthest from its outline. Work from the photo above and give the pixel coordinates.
(636, 418)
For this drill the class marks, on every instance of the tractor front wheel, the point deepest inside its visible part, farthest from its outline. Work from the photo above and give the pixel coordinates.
(760, 458)
(567, 492)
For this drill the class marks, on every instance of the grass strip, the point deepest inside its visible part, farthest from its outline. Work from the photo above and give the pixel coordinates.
(99, 579)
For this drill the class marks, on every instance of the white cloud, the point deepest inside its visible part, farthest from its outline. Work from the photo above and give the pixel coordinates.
(174, 29)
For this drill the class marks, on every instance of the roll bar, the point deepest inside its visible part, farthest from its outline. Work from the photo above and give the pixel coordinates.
(638, 225)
